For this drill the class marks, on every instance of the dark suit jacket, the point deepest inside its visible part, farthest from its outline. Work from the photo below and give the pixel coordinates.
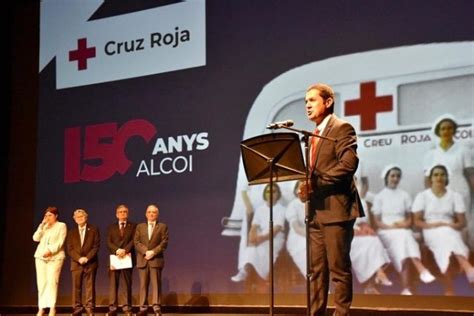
(88, 250)
(115, 241)
(157, 243)
(335, 197)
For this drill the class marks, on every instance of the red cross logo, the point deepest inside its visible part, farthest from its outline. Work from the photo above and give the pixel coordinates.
(82, 54)
(368, 106)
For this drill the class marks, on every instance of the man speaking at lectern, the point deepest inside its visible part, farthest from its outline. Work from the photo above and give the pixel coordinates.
(334, 203)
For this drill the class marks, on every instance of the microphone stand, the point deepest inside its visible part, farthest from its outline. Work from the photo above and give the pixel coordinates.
(272, 290)
(305, 139)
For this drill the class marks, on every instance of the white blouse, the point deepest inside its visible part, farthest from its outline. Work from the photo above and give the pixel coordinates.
(262, 217)
(52, 239)
(456, 158)
(438, 209)
(391, 205)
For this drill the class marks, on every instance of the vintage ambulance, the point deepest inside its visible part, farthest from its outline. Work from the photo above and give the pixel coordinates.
(391, 96)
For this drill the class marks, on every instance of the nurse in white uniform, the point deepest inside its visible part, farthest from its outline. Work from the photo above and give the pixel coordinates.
(368, 256)
(250, 201)
(440, 213)
(392, 217)
(259, 234)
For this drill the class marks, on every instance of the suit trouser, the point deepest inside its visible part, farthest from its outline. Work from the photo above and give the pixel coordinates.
(125, 293)
(47, 280)
(86, 274)
(149, 274)
(330, 248)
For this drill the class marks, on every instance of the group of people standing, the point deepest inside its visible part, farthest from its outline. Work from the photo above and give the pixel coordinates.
(141, 245)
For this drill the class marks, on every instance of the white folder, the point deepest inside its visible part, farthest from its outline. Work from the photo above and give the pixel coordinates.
(117, 263)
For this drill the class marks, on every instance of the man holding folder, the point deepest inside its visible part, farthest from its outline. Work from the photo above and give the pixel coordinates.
(120, 243)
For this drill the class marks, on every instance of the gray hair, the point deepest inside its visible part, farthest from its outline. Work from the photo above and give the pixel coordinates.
(80, 211)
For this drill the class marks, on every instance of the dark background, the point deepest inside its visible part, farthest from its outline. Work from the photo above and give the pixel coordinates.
(248, 44)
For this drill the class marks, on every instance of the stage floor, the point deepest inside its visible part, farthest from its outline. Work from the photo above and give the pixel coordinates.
(354, 312)
(373, 313)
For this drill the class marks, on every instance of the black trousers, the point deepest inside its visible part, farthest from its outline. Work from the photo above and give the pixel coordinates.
(84, 275)
(115, 277)
(330, 248)
(150, 275)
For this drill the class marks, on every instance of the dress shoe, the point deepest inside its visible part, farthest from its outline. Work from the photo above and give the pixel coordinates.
(157, 310)
(127, 310)
(89, 312)
(77, 312)
(143, 312)
(426, 276)
(240, 276)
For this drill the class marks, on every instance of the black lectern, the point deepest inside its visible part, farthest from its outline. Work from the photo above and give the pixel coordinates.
(272, 158)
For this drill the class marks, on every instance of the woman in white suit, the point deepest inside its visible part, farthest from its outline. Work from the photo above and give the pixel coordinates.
(49, 259)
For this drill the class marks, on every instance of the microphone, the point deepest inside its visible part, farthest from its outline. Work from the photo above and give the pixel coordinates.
(281, 124)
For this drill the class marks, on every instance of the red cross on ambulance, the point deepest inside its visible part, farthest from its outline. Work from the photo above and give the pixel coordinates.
(368, 105)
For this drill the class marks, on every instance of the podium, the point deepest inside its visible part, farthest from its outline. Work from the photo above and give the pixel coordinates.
(272, 158)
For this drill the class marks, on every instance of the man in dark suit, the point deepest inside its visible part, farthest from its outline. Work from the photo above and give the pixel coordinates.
(120, 243)
(82, 246)
(151, 240)
(334, 202)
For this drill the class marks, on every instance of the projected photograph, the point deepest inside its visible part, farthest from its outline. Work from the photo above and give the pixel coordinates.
(409, 119)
